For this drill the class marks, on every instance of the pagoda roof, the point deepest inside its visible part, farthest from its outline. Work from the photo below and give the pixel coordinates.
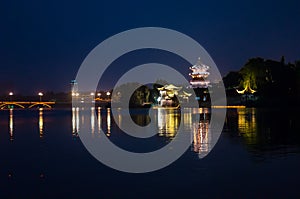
(199, 65)
(170, 87)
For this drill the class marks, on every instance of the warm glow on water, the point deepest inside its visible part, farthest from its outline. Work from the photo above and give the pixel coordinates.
(42, 147)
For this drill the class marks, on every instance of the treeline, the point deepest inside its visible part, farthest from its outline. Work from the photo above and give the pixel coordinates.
(275, 82)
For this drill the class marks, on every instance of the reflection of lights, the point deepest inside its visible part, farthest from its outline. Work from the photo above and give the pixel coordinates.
(11, 125)
(93, 119)
(247, 120)
(120, 119)
(99, 119)
(201, 136)
(75, 94)
(75, 121)
(168, 122)
(41, 122)
(108, 122)
(187, 119)
(247, 124)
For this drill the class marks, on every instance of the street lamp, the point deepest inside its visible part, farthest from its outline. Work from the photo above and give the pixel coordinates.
(40, 94)
(108, 93)
(10, 95)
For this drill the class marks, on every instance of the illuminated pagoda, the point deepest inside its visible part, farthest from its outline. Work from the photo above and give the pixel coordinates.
(200, 83)
(167, 96)
(172, 96)
(199, 75)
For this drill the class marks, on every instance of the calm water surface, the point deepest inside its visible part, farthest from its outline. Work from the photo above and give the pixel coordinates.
(257, 155)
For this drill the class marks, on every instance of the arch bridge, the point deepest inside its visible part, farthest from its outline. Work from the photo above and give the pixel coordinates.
(7, 104)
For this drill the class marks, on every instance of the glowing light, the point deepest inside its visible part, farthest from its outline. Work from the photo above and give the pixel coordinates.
(108, 93)
(40, 94)
(247, 88)
(99, 120)
(108, 122)
(11, 125)
(41, 122)
(168, 123)
(93, 120)
(11, 93)
(92, 94)
(199, 74)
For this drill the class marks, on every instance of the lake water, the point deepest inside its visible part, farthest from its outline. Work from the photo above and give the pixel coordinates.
(257, 155)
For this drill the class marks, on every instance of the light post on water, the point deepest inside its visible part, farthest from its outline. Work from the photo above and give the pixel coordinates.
(10, 95)
(108, 94)
(92, 96)
(41, 95)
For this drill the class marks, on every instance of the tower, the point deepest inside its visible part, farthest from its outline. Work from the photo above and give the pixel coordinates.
(200, 83)
(74, 87)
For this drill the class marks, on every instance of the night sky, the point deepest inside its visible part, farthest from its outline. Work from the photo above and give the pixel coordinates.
(43, 43)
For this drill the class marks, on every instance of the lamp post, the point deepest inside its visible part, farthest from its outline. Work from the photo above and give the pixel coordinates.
(10, 95)
(40, 94)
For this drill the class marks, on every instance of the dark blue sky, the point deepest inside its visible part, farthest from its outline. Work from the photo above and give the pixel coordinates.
(42, 43)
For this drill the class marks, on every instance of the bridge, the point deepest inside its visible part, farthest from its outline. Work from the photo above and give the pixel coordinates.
(8, 104)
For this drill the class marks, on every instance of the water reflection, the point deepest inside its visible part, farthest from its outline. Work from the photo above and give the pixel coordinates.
(168, 122)
(247, 120)
(41, 123)
(99, 119)
(201, 136)
(108, 122)
(75, 121)
(260, 131)
(264, 132)
(11, 125)
(93, 120)
(247, 126)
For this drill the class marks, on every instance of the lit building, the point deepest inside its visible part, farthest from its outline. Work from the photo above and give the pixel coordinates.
(167, 96)
(200, 83)
(199, 75)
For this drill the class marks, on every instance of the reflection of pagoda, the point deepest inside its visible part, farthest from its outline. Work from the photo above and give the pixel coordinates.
(200, 83)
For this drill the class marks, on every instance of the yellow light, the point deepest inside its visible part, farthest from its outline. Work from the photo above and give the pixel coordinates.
(11, 125)
(41, 122)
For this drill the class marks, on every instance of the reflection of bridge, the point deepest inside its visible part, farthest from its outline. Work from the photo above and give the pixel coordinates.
(6, 104)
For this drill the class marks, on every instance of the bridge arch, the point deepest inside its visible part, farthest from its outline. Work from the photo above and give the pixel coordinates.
(39, 103)
(11, 103)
